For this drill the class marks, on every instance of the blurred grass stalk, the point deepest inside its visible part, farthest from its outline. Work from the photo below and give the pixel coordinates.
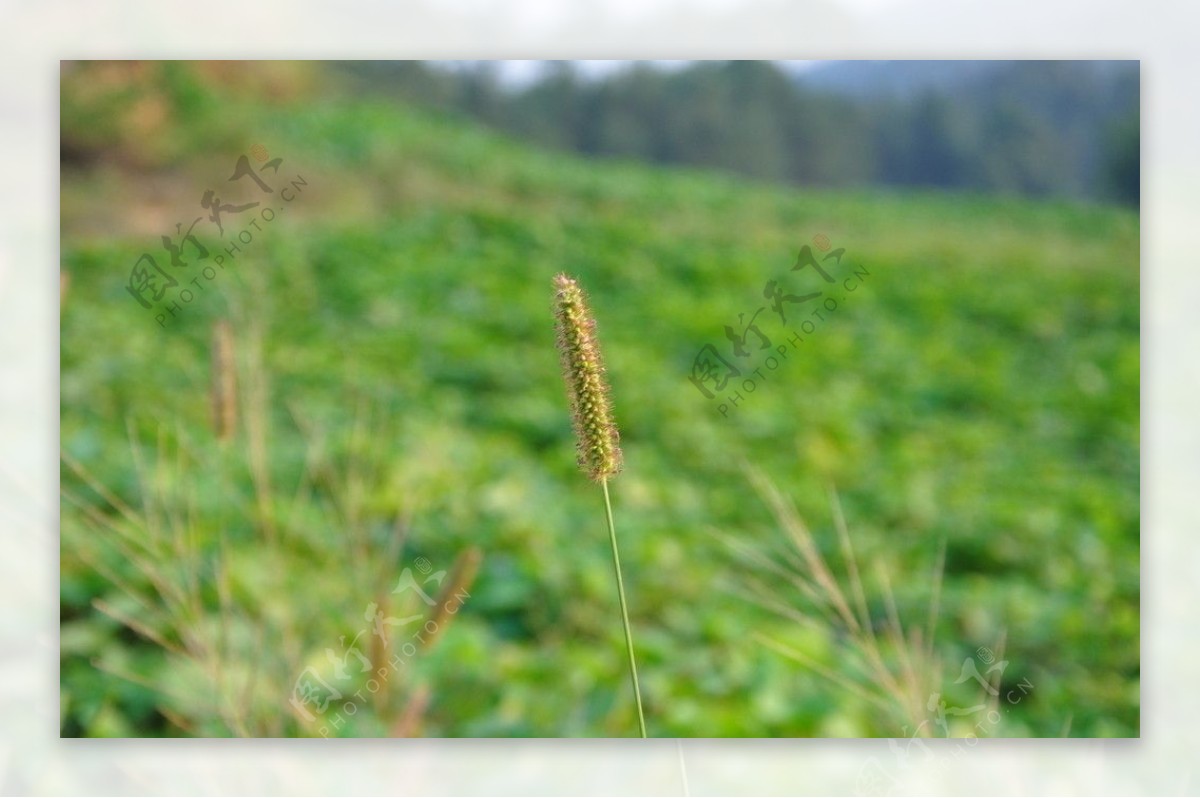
(184, 567)
(462, 576)
(224, 382)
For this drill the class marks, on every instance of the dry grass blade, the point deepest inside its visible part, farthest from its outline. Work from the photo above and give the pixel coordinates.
(994, 684)
(802, 537)
(895, 632)
(935, 600)
(133, 678)
(895, 671)
(826, 673)
(104, 493)
(751, 556)
(856, 583)
(133, 623)
(409, 722)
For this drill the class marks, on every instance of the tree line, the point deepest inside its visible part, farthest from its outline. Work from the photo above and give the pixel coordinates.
(1045, 129)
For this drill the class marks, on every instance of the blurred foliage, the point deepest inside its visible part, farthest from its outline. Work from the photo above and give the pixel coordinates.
(1029, 128)
(399, 385)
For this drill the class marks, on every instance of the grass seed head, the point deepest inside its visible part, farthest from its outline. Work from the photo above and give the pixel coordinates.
(591, 411)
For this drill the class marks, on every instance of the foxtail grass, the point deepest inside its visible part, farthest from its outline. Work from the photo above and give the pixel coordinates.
(596, 435)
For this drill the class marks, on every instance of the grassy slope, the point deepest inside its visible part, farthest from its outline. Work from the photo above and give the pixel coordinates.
(980, 387)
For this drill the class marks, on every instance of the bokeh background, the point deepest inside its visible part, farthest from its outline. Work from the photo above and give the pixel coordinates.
(369, 384)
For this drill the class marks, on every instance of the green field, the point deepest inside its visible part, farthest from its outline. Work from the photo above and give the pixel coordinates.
(400, 403)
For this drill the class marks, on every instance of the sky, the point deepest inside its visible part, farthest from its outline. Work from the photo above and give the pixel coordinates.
(520, 73)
